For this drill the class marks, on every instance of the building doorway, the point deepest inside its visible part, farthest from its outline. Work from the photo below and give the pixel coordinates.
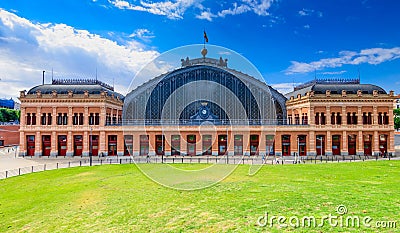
(191, 145)
(78, 145)
(238, 145)
(352, 144)
(285, 145)
(160, 144)
(94, 139)
(144, 145)
(112, 145)
(302, 145)
(128, 145)
(46, 145)
(175, 144)
(270, 144)
(368, 144)
(30, 145)
(383, 144)
(254, 142)
(62, 145)
(207, 145)
(222, 144)
(336, 144)
(320, 144)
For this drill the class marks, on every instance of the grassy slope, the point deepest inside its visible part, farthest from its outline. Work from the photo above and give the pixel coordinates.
(119, 198)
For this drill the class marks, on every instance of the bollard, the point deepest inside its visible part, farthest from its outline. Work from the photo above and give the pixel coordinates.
(19, 171)
(69, 164)
(32, 169)
(57, 165)
(6, 174)
(120, 161)
(182, 159)
(80, 163)
(44, 167)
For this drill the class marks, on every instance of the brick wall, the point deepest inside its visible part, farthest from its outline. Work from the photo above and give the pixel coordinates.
(9, 134)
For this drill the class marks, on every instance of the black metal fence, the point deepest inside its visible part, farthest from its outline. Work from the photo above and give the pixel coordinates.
(252, 160)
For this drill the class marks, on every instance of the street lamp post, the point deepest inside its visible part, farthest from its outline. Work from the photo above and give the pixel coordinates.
(320, 148)
(162, 147)
(90, 146)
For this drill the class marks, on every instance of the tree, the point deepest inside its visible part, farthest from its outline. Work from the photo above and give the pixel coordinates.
(396, 114)
(7, 115)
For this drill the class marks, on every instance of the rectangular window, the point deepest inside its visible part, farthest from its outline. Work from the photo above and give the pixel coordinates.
(33, 119)
(317, 118)
(91, 119)
(28, 119)
(43, 119)
(59, 119)
(80, 118)
(65, 119)
(369, 118)
(97, 119)
(305, 119)
(364, 118)
(338, 119)
(323, 119)
(297, 119)
(333, 118)
(49, 119)
(75, 119)
(354, 119)
(348, 118)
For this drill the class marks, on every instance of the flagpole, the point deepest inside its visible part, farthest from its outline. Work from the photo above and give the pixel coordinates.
(204, 39)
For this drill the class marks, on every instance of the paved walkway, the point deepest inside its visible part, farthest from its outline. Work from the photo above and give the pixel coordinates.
(10, 160)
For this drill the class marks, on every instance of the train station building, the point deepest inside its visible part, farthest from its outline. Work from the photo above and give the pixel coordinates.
(206, 108)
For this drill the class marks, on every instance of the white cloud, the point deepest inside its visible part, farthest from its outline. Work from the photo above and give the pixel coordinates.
(308, 12)
(27, 48)
(207, 15)
(142, 33)
(258, 7)
(371, 56)
(307, 26)
(236, 10)
(173, 10)
(284, 87)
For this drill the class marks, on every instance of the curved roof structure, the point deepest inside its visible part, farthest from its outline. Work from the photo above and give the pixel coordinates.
(180, 93)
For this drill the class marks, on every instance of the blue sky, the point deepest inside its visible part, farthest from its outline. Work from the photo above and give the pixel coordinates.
(288, 41)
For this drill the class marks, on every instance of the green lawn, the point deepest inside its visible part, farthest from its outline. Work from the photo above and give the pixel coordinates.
(119, 198)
